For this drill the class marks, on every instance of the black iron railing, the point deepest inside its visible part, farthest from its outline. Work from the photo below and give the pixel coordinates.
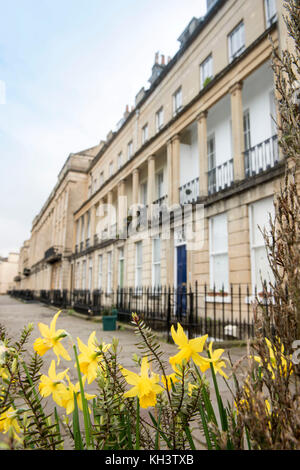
(201, 310)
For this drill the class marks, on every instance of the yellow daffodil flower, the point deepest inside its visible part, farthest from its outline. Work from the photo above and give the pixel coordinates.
(145, 387)
(67, 396)
(273, 365)
(192, 387)
(169, 379)
(189, 349)
(9, 421)
(51, 340)
(214, 359)
(4, 375)
(53, 384)
(90, 357)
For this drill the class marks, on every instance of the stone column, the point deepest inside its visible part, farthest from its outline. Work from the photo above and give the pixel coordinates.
(135, 186)
(202, 149)
(151, 183)
(237, 118)
(109, 209)
(122, 207)
(93, 224)
(176, 168)
(170, 172)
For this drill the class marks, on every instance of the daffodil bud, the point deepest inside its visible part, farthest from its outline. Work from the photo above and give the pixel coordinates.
(14, 365)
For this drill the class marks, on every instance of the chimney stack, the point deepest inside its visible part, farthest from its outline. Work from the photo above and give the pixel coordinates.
(156, 58)
(162, 60)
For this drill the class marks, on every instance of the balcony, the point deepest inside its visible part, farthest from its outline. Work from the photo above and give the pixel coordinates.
(189, 192)
(221, 177)
(261, 157)
(53, 254)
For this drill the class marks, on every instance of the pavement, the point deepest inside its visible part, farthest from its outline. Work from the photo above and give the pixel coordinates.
(15, 314)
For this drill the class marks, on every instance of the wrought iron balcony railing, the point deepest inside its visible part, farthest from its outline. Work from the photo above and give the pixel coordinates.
(53, 254)
(261, 157)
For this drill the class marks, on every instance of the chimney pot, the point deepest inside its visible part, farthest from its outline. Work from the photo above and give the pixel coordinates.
(162, 60)
(156, 57)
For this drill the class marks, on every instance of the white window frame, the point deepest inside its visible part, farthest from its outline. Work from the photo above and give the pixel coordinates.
(83, 275)
(159, 119)
(82, 229)
(255, 246)
(78, 232)
(271, 12)
(145, 133)
(213, 253)
(90, 274)
(111, 169)
(160, 184)
(88, 232)
(130, 150)
(77, 275)
(138, 267)
(120, 160)
(144, 193)
(236, 35)
(247, 129)
(177, 101)
(206, 70)
(156, 263)
(121, 259)
(109, 272)
(100, 272)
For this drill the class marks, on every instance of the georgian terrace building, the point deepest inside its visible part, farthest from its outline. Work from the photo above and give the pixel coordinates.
(203, 136)
(44, 258)
(203, 133)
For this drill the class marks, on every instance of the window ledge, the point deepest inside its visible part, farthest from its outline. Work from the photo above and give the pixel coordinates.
(218, 298)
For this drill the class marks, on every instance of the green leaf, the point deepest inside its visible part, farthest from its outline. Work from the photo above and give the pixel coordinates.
(160, 431)
(76, 427)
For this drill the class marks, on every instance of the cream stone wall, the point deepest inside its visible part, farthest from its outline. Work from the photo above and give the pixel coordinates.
(8, 271)
(79, 193)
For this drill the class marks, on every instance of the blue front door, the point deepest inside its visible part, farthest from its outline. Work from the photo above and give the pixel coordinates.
(181, 280)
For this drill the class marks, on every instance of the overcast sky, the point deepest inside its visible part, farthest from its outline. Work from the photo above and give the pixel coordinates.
(68, 69)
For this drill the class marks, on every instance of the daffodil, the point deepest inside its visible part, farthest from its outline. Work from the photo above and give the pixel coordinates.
(90, 357)
(169, 379)
(189, 349)
(51, 340)
(215, 360)
(53, 384)
(192, 387)
(9, 422)
(274, 363)
(67, 396)
(145, 386)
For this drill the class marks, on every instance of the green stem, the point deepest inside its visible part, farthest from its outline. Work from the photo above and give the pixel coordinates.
(137, 432)
(86, 417)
